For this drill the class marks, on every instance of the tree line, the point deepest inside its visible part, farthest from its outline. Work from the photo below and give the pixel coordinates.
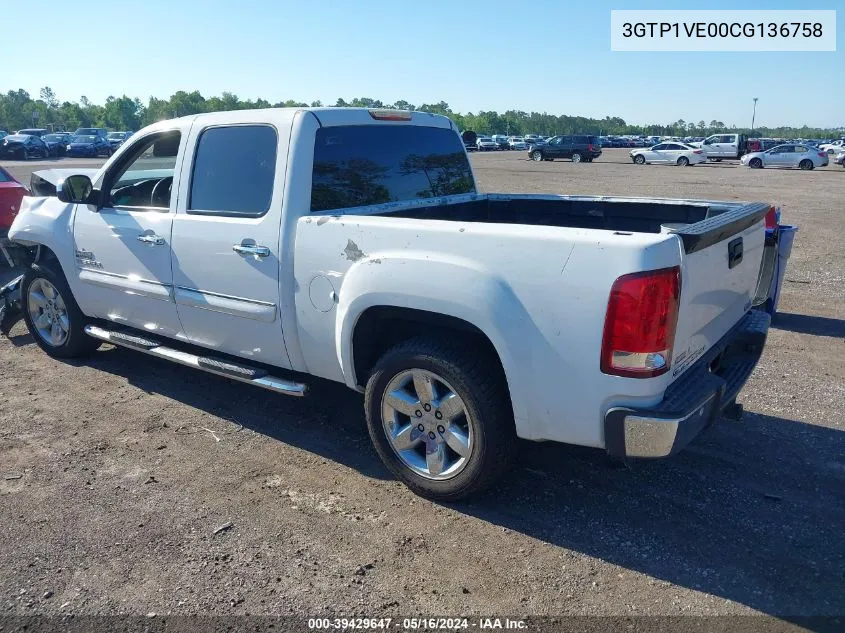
(20, 110)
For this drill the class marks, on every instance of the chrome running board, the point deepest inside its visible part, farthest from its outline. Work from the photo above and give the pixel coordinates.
(227, 369)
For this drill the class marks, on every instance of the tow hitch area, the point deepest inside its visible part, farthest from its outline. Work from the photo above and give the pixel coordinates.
(10, 305)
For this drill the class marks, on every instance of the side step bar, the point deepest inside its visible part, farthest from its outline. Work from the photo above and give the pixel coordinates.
(225, 368)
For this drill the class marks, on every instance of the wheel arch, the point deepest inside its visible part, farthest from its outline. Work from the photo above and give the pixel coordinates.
(374, 321)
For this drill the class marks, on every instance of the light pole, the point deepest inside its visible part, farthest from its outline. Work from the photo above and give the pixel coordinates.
(754, 115)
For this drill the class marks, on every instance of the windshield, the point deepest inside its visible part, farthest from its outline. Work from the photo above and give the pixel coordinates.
(116, 135)
(84, 138)
(16, 138)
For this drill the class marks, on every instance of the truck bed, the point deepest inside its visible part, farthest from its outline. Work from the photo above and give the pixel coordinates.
(692, 220)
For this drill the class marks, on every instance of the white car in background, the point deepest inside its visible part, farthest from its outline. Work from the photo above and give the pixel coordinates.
(670, 153)
(486, 144)
(517, 142)
(833, 146)
(788, 155)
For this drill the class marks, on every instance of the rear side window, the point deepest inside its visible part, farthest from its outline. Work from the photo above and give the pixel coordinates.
(372, 164)
(234, 169)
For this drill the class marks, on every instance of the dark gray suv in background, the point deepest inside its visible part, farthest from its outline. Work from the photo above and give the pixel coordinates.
(576, 147)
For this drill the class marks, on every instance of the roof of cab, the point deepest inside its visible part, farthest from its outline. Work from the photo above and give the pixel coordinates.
(330, 117)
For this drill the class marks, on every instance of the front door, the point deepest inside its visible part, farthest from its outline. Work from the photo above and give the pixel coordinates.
(122, 248)
(226, 239)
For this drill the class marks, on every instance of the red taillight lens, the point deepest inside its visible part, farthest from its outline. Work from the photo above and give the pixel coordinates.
(772, 218)
(822, 154)
(589, 147)
(697, 151)
(639, 329)
(390, 115)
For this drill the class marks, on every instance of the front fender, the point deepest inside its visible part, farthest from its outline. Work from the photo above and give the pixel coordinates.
(436, 283)
(48, 222)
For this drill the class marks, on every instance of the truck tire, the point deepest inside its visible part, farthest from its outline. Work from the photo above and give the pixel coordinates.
(51, 313)
(440, 418)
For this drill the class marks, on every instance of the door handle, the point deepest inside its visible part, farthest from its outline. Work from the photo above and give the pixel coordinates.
(153, 239)
(251, 249)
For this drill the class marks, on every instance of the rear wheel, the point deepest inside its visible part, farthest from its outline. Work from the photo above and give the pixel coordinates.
(639, 159)
(52, 315)
(683, 161)
(537, 155)
(756, 163)
(576, 157)
(440, 418)
(806, 164)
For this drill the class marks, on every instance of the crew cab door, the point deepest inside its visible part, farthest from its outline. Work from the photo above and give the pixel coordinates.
(122, 245)
(226, 235)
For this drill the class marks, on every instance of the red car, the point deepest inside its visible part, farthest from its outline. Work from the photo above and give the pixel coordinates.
(11, 193)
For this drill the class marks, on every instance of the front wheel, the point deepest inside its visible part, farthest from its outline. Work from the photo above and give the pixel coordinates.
(806, 164)
(576, 157)
(639, 159)
(440, 418)
(756, 163)
(537, 156)
(683, 161)
(52, 315)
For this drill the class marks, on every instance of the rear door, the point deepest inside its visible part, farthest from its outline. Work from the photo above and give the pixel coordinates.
(226, 234)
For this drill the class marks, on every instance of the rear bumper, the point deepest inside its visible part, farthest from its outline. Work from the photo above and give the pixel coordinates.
(694, 400)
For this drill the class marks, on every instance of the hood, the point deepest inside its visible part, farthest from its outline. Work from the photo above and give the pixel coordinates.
(43, 182)
(8, 143)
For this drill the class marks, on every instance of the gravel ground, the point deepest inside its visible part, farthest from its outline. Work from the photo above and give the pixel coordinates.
(130, 485)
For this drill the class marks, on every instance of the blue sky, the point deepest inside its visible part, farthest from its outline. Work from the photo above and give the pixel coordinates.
(543, 55)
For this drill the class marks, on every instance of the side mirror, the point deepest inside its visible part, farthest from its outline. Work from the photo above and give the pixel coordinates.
(75, 189)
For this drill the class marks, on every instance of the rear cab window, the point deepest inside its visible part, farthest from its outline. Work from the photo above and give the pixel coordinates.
(360, 165)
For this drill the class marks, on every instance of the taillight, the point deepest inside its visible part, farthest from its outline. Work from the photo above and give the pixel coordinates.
(589, 147)
(697, 151)
(384, 114)
(822, 154)
(772, 218)
(639, 328)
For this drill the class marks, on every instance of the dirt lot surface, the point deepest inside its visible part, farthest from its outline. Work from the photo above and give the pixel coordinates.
(129, 485)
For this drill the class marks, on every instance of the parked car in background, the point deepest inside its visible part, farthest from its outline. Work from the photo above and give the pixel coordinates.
(487, 144)
(116, 139)
(576, 147)
(11, 194)
(839, 158)
(33, 131)
(501, 141)
(670, 153)
(517, 142)
(23, 147)
(470, 140)
(724, 146)
(833, 146)
(788, 155)
(3, 134)
(57, 143)
(89, 146)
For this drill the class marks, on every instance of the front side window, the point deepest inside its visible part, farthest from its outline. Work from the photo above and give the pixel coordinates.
(144, 179)
(373, 164)
(234, 169)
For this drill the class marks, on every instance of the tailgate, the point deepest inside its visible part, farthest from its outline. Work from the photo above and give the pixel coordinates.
(721, 265)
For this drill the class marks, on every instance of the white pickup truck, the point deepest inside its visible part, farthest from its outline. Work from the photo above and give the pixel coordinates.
(352, 245)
